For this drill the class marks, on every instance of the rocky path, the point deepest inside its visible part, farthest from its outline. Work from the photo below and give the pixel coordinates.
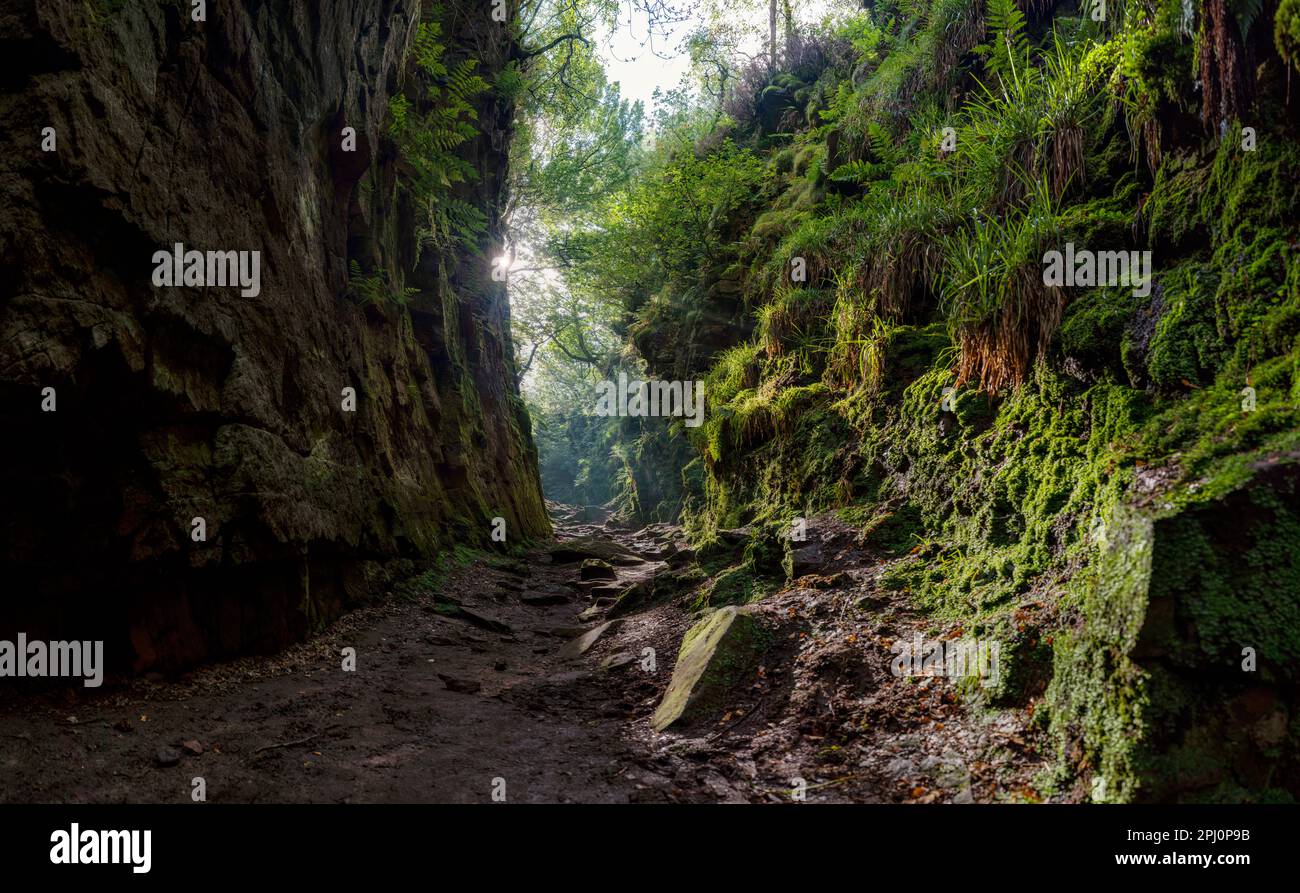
(456, 686)
(532, 680)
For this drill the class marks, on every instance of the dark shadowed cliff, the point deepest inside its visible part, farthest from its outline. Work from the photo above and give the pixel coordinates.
(177, 403)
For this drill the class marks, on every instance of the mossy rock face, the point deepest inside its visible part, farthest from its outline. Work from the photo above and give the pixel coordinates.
(896, 530)
(736, 585)
(715, 655)
(1155, 688)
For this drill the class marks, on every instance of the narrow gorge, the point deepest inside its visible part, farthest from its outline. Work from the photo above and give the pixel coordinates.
(893, 401)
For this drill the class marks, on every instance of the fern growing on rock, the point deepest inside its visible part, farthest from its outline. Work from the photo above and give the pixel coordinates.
(374, 289)
(1007, 51)
(428, 134)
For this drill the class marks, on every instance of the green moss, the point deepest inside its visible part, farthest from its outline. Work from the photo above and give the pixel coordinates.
(783, 161)
(715, 654)
(1020, 501)
(807, 159)
(1094, 331)
(1174, 207)
(1187, 348)
(895, 531)
(735, 586)
(434, 578)
(1150, 693)
(775, 224)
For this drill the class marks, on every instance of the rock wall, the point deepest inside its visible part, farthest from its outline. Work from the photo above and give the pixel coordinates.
(177, 403)
(1180, 685)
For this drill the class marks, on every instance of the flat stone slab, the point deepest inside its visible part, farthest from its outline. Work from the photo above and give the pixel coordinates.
(564, 632)
(584, 547)
(591, 613)
(481, 620)
(583, 643)
(617, 660)
(543, 599)
(613, 590)
(716, 652)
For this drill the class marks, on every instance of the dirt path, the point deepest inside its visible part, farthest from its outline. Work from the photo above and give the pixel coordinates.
(439, 706)
(477, 679)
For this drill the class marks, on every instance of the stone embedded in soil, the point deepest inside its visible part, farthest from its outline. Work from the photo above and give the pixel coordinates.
(609, 590)
(716, 653)
(192, 746)
(583, 643)
(633, 597)
(736, 536)
(484, 621)
(595, 569)
(166, 756)
(564, 632)
(681, 558)
(543, 599)
(807, 559)
(585, 547)
(461, 686)
(617, 660)
(600, 607)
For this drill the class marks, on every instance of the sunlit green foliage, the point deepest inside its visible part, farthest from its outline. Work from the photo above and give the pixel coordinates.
(428, 131)
(842, 247)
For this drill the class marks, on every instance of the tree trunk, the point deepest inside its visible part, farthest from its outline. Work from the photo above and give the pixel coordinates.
(788, 10)
(771, 28)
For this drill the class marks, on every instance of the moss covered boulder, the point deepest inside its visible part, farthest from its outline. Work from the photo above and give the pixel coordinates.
(715, 654)
(1181, 683)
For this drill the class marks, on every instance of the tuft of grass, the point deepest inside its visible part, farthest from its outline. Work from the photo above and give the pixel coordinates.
(1002, 314)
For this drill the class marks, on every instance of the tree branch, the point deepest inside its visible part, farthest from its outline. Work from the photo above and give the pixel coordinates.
(528, 54)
